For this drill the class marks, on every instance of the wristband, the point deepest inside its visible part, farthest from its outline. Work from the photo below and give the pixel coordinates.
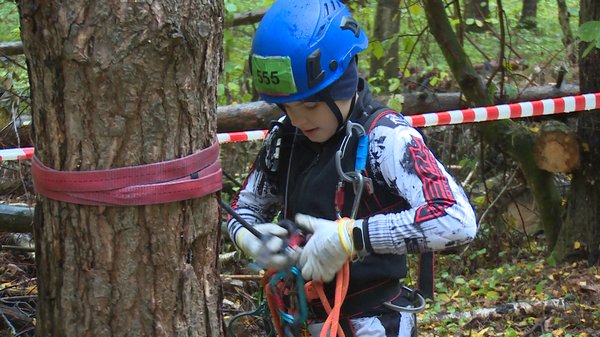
(358, 238)
(342, 231)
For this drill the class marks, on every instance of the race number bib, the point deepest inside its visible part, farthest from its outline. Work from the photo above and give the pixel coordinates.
(273, 75)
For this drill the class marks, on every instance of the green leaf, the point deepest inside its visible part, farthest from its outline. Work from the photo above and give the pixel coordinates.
(551, 261)
(396, 102)
(377, 49)
(394, 84)
(539, 287)
(231, 7)
(589, 31)
(492, 294)
(587, 50)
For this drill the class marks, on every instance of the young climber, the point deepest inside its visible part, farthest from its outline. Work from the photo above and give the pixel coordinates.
(402, 201)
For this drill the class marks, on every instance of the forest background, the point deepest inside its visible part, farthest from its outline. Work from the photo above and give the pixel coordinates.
(510, 262)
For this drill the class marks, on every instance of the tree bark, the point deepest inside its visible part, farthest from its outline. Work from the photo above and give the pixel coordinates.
(387, 26)
(528, 17)
(582, 222)
(512, 138)
(117, 84)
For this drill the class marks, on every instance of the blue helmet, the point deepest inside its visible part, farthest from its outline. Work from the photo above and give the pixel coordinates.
(301, 47)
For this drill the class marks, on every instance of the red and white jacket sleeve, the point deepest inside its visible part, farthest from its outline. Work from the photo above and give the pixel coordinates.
(440, 215)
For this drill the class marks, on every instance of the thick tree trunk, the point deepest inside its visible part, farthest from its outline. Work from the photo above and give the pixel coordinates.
(511, 137)
(117, 84)
(528, 17)
(387, 26)
(582, 222)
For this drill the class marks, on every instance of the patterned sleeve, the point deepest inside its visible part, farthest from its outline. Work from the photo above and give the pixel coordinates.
(440, 215)
(257, 202)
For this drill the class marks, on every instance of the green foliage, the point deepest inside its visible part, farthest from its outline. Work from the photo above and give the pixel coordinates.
(590, 32)
(9, 26)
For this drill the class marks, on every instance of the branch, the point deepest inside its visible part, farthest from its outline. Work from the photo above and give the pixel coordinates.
(522, 308)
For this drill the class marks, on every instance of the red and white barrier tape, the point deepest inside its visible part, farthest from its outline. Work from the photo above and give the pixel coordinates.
(505, 111)
(241, 136)
(492, 113)
(231, 137)
(16, 154)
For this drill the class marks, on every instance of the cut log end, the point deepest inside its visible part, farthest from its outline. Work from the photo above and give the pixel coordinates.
(557, 148)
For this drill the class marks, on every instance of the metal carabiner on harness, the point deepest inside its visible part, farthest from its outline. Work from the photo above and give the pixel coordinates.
(417, 299)
(355, 177)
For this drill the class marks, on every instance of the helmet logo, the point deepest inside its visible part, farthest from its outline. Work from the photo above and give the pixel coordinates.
(272, 75)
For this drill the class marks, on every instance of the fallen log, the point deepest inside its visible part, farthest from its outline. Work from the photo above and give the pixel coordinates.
(11, 48)
(258, 115)
(556, 148)
(246, 18)
(16, 219)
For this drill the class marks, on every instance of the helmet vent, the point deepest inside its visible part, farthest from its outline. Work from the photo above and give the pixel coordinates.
(349, 23)
(330, 7)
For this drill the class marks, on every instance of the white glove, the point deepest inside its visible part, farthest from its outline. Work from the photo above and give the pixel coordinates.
(268, 254)
(327, 249)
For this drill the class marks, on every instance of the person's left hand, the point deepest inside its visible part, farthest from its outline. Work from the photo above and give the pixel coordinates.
(327, 250)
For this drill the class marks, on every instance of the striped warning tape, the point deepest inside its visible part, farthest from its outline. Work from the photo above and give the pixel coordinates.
(230, 137)
(16, 154)
(492, 113)
(241, 136)
(508, 111)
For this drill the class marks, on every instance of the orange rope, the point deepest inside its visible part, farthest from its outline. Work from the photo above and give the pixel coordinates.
(274, 310)
(331, 325)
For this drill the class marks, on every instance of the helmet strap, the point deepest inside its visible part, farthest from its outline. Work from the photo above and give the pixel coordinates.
(326, 97)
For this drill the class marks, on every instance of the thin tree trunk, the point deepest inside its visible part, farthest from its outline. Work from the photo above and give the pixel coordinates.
(117, 84)
(387, 26)
(565, 26)
(528, 18)
(582, 224)
(512, 138)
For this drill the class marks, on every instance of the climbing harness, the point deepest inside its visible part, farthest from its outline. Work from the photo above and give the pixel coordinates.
(360, 182)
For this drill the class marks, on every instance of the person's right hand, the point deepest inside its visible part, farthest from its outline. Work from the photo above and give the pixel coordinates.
(268, 253)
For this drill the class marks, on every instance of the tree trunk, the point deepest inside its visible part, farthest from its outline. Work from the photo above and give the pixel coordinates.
(476, 12)
(528, 18)
(510, 137)
(117, 84)
(387, 26)
(565, 26)
(582, 224)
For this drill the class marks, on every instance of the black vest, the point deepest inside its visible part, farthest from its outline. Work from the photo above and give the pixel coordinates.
(312, 183)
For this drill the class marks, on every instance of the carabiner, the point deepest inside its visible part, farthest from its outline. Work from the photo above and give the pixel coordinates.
(342, 151)
(411, 309)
